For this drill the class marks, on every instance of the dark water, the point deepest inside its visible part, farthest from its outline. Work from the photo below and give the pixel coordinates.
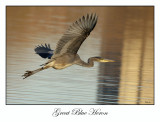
(124, 34)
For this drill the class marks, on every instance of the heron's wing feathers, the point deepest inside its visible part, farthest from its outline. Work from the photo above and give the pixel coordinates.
(76, 34)
(44, 51)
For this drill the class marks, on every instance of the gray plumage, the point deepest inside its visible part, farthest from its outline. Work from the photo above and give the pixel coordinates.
(75, 35)
(67, 47)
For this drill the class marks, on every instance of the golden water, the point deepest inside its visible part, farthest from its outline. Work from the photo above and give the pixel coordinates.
(124, 34)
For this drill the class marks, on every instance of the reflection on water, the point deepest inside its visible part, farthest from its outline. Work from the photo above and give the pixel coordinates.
(124, 34)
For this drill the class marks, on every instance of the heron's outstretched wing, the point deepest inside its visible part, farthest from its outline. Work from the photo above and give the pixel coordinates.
(44, 51)
(76, 34)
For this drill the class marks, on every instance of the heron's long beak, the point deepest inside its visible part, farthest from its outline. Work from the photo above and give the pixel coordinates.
(107, 60)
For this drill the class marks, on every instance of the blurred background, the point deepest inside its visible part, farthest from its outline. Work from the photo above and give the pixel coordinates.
(124, 34)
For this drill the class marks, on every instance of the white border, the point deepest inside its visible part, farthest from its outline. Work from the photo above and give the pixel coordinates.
(78, 2)
(41, 113)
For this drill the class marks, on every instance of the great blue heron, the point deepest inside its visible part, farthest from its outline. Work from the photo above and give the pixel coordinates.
(65, 53)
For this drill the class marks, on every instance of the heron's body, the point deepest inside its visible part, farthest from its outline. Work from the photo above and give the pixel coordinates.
(59, 63)
(65, 53)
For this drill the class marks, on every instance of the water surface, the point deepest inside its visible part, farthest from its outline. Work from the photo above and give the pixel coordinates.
(124, 34)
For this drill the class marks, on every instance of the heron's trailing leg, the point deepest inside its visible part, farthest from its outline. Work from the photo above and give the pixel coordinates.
(29, 73)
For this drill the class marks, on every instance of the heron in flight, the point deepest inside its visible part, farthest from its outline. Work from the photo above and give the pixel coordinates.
(67, 47)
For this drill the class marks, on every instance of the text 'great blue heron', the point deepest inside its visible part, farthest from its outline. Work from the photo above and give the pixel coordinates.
(65, 53)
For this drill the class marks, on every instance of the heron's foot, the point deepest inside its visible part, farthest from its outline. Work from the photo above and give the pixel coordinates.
(27, 74)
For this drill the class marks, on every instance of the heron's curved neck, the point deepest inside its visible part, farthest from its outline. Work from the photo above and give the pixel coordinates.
(90, 62)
